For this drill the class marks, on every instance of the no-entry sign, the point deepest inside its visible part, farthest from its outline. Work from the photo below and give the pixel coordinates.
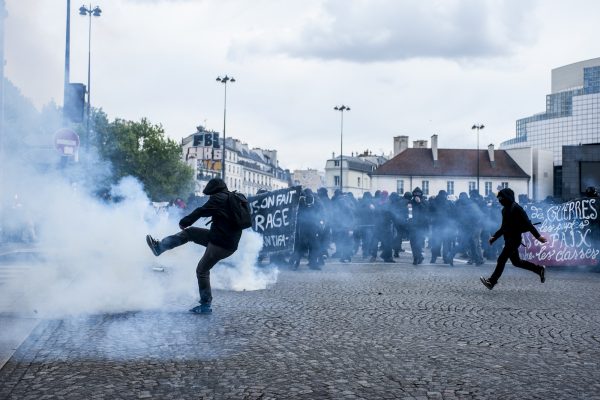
(66, 142)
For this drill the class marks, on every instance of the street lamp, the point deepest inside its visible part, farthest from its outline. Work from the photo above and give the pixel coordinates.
(224, 81)
(85, 11)
(341, 109)
(478, 127)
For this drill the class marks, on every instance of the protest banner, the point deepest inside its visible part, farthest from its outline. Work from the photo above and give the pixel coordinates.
(274, 217)
(572, 230)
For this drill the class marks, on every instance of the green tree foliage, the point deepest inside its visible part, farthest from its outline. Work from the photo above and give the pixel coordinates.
(140, 149)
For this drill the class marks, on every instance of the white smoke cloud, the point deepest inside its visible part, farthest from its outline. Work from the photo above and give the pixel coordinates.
(95, 258)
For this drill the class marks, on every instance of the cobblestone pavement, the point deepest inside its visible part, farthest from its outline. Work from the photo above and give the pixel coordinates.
(371, 331)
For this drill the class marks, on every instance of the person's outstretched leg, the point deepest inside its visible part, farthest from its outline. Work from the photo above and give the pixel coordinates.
(160, 246)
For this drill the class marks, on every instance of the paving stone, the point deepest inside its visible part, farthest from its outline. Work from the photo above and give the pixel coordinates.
(434, 332)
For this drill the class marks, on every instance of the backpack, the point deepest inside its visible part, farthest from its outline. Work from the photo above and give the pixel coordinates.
(239, 209)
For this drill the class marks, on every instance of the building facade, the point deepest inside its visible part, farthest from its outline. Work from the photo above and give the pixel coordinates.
(572, 115)
(246, 170)
(580, 170)
(454, 170)
(354, 172)
(308, 178)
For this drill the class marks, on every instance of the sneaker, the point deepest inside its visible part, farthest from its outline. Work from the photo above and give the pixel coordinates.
(202, 309)
(543, 274)
(153, 244)
(486, 282)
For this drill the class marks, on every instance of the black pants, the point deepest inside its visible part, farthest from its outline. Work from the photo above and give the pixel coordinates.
(511, 251)
(211, 257)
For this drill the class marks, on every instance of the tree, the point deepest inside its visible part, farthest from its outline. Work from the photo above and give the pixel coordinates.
(140, 149)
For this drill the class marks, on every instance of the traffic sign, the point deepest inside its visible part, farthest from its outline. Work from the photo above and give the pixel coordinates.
(66, 142)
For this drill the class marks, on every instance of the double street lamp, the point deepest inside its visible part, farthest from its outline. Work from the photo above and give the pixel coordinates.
(478, 127)
(96, 12)
(341, 109)
(224, 81)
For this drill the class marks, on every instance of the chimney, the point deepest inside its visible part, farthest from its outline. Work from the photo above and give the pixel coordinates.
(420, 144)
(400, 144)
(491, 154)
(434, 149)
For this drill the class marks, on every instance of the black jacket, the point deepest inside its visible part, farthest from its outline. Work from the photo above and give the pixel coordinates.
(514, 219)
(223, 232)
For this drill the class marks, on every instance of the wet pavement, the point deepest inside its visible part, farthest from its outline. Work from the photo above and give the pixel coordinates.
(359, 330)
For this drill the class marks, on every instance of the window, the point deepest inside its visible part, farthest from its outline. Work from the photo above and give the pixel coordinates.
(450, 187)
(472, 186)
(400, 186)
(336, 163)
(504, 185)
(425, 188)
(358, 182)
(488, 188)
(336, 180)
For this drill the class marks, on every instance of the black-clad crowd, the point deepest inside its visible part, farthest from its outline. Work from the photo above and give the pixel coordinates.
(376, 225)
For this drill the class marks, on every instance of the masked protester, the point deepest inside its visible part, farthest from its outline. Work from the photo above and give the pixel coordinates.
(308, 227)
(220, 241)
(418, 225)
(514, 222)
(442, 228)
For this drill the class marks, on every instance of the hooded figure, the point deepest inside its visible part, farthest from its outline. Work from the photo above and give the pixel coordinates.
(220, 241)
(514, 222)
(418, 225)
(443, 229)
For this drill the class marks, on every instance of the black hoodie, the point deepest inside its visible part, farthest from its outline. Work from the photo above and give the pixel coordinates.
(222, 233)
(514, 219)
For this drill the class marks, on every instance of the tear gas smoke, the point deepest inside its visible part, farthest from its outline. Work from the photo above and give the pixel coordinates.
(95, 258)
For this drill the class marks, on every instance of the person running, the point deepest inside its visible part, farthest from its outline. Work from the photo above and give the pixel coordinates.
(514, 222)
(221, 241)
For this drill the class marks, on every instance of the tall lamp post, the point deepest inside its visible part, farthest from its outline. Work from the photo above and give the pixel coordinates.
(478, 127)
(341, 109)
(96, 12)
(224, 81)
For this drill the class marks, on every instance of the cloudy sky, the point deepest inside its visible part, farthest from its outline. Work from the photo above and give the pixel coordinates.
(405, 67)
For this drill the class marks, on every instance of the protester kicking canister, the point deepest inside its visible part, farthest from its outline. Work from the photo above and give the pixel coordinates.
(221, 241)
(514, 222)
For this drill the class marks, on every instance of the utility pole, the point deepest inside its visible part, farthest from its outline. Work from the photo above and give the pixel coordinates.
(67, 61)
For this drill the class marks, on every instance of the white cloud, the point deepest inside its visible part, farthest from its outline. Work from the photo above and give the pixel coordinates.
(388, 30)
(407, 67)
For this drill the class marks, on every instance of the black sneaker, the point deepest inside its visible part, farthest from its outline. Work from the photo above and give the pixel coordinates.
(543, 274)
(202, 309)
(153, 244)
(486, 282)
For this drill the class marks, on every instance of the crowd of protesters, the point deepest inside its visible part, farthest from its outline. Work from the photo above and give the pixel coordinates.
(378, 227)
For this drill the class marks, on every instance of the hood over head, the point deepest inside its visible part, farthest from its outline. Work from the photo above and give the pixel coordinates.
(417, 192)
(506, 196)
(215, 185)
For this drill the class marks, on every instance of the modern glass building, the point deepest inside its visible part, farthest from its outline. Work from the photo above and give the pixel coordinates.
(572, 115)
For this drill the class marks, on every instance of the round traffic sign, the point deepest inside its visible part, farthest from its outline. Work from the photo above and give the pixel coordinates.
(66, 142)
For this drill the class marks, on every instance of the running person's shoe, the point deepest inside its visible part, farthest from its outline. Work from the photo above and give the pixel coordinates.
(486, 282)
(543, 274)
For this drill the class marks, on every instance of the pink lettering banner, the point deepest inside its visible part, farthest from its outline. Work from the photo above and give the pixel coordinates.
(572, 230)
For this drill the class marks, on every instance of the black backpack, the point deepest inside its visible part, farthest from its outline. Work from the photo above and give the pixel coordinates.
(239, 209)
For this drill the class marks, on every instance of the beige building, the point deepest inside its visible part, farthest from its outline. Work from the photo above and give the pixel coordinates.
(308, 178)
(355, 172)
